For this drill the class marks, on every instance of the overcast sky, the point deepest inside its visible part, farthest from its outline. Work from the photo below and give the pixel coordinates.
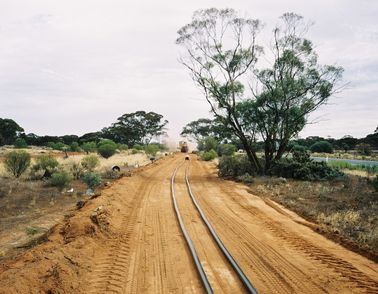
(71, 67)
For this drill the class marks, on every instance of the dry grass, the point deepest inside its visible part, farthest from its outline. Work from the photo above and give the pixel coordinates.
(347, 209)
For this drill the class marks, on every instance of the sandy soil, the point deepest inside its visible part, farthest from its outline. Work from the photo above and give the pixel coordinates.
(128, 241)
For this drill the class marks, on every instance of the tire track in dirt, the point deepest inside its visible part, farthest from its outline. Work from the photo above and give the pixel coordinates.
(149, 256)
(267, 262)
(219, 272)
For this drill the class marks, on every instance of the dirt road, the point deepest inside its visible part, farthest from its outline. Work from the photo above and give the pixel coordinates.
(129, 241)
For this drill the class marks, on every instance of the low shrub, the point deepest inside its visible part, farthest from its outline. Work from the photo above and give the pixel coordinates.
(152, 149)
(17, 162)
(138, 147)
(107, 150)
(207, 144)
(74, 147)
(209, 155)
(235, 166)
(77, 170)
(246, 178)
(92, 180)
(57, 146)
(134, 151)
(89, 147)
(44, 167)
(90, 162)
(122, 147)
(111, 174)
(301, 167)
(60, 179)
(20, 143)
(226, 149)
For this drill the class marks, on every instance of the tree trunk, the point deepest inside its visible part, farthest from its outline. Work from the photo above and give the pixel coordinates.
(251, 154)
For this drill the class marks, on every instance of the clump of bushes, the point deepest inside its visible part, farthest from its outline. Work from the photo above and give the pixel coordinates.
(57, 146)
(106, 148)
(301, 167)
(235, 166)
(152, 149)
(44, 167)
(322, 147)
(226, 149)
(60, 179)
(20, 143)
(138, 147)
(74, 147)
(122, 147)
(207, 144)
(92, 180)
(90, 162)
(209, 155)
(89, 147)
(17, 162)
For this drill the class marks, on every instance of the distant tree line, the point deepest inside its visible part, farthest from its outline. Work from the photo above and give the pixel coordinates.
(137, 128)
(202, 130)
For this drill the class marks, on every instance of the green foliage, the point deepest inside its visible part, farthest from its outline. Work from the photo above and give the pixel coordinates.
(74, 147)
(287, 91)
(122, 147)
(301, 167)
(90, 162)
(20, 143)
(138, 147)
(32, 230)
(57, 146)
(17, 162)
(60, 179)
(44, 166)
(92, 180)
(235, 166)
(226, 149)
(134, 151)
(207, 144)
(136, 127)
(89, 147)
(322, 147)
(209, 155)
(363, 149)
(107, 148)
(300, 148)
(152, 149)
(9, 130)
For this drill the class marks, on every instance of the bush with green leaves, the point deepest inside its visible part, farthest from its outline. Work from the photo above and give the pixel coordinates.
(235, 166)
(152, 149)
(44, 167)
(17, 162)
(57, 146)
(122, 147)
(322, 147)
(298, 147)
(363, 149)
(89, 147)
(106, 148)
(226, 149)
(138, 147)
(90, 162)
(302, 167)
(74, 147)
(207, 144)
(60, 179)
(20, 143)
(92, 180)
(209, 155)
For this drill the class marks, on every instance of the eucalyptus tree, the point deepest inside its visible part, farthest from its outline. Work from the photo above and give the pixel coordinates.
(220, 50)
(272, 103)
